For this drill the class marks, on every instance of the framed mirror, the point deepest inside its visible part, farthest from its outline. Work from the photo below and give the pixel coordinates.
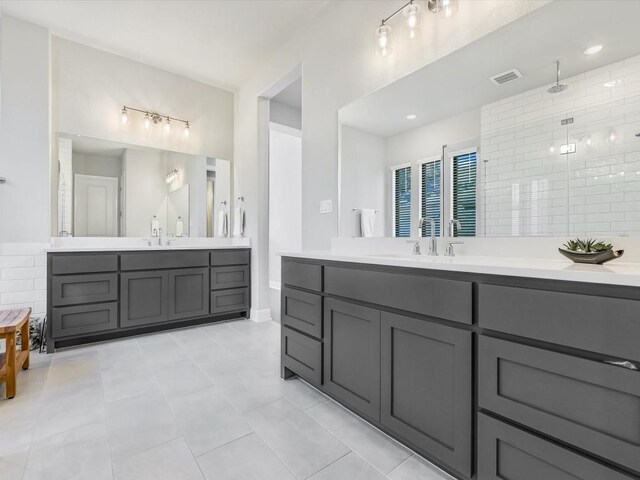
(111, 189)
(532, 130)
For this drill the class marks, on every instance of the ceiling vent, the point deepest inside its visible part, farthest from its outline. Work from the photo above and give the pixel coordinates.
(506, 77)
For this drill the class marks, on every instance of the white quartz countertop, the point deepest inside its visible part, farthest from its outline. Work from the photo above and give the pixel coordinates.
(614, 272)
(144, 248)
(129, 244)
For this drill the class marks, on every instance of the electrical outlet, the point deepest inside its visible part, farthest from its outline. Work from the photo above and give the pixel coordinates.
(326, 206)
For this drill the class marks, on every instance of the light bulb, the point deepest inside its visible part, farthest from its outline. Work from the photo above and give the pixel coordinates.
(167, 126)
(186, 129)
(411, 12)
(125, 115)
(147, 121)
(383, 40)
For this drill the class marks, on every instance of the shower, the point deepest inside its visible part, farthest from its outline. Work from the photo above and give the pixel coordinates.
(558, 87)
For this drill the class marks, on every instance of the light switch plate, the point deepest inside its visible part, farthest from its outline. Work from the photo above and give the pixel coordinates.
(326, 206)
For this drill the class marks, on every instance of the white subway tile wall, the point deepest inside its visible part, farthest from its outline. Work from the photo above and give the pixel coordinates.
(23, 276)
(530, 188)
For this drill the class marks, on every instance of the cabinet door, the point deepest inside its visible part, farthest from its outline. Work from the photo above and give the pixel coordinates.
(352, 355)
(426, 385)
(188, 293)
(144, 298)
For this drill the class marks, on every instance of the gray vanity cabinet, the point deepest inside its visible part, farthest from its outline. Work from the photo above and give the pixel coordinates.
(189, 293)
(508, 452)
(426, 387)
(352, 355)
(144, 298)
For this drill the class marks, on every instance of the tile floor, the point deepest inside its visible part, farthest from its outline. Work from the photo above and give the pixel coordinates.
(196, 404)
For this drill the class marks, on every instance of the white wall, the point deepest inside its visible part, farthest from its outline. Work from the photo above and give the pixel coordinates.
(364, 175)
(99, 165)
(24, 132)
(285, 193)
(146, 191)
(285, 115)
(90, 86)
(339, 65)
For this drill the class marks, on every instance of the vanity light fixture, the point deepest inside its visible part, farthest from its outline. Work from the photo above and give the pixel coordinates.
(592, 50)
(153, 118)
(412, 11)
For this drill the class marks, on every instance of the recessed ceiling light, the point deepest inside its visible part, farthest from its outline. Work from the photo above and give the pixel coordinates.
(592, 50)
(610, 84)
(412, 116)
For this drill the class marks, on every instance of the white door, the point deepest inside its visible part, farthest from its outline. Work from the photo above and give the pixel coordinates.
(95, 206)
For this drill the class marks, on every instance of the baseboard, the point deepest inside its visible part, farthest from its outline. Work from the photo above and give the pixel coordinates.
(262, 315)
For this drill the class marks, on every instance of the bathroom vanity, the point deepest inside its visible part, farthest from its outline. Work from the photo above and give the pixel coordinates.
(489, 372)
(95, 295)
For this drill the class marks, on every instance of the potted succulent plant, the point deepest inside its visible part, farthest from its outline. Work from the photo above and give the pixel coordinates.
(591, 251)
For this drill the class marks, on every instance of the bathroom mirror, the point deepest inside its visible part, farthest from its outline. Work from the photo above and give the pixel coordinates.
(111, 189)
(491, 137)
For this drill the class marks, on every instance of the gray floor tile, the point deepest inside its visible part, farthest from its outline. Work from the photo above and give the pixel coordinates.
(71, 461)
(182, 378)
(139, 423)
(371, 444)
(303, 445)
(169, 461)
(245, 459)
(12, 466)
(300, 394)
(119, 383)
(251, 390)
(349, 467)
(415, 468)
(207, 420)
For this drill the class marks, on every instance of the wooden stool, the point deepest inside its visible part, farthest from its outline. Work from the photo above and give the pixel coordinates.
(10, 322)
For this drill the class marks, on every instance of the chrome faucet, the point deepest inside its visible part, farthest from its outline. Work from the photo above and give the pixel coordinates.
(433, 241)
(159, 237)
(453, 224)
(449, 249)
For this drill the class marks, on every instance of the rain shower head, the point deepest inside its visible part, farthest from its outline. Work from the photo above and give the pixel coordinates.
(558, 87)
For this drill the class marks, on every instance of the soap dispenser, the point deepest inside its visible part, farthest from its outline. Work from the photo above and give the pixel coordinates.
(179, 227)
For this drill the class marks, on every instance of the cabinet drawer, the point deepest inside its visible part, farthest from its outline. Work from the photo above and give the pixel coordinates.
(165, 259)
(84, 319)
(302, 355)
(605, 325)
(435, 297)
(230, 257)
(303, 275)
(229, 277)
(236, 299)
(302, 311)
(591, 405)
(427, 387)
(89, 263)
(508, 452)
(76, 289)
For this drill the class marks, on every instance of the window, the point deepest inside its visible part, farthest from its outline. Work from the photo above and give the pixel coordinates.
(402, 202)
(430, 201)
(463, 193)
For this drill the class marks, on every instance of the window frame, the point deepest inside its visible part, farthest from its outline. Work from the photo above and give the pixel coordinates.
(393, 169)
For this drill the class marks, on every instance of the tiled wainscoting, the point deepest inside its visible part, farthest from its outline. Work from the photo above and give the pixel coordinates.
(23, 276)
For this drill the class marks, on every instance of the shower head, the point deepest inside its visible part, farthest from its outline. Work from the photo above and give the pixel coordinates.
(558, 87)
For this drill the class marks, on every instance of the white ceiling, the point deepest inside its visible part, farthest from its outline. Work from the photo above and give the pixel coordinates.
(460, 82)
(218, 42)
(291, 96)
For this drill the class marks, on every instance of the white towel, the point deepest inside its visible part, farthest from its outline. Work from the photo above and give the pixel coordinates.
(367, 221)
(223, 223)
(238, 222)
